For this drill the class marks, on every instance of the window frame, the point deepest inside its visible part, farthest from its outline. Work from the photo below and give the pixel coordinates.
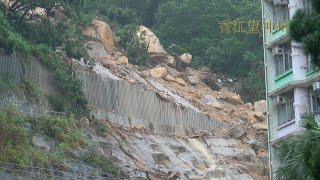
(307, 5)
(284, 62)
(286, 111)
(281, 14)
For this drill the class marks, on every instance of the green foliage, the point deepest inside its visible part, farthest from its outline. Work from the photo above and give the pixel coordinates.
(123, 16)
(32, 92)
(7, 83)
(305, 28)
(301, 154)
(58, 103)
(70, 86)
(192, 26)
(15, 139)
(42, 33)
(12, 134)
(64, 130)
(101, 130)
(102, 162)
(11, 41)
(137, 52)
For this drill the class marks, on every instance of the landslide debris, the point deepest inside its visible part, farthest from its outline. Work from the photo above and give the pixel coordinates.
(201, 91)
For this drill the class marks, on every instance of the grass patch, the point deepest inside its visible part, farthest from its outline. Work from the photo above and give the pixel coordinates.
(58, 103)
(64, 130)
(102, 130)
(16, 137)
(7, 83)
(102, 162)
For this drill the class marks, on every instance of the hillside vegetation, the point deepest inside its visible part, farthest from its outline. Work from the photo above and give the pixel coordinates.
(182, 26)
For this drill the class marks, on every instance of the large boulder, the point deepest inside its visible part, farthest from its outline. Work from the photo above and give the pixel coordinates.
(107, 62)
(158, 72)
(210, 100)
(122, 60)
(252, 117)
(155, 49)
(180, 81)
(192, 80)
(186, 58)
(96, 50)
(100, 31)
(171, 61)
(238, 130)
(260, 106)
(235, 99)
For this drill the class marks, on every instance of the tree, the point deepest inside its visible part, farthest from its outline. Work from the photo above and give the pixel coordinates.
(305, 28)
(301, 154)
(192, 26)
(20, 8)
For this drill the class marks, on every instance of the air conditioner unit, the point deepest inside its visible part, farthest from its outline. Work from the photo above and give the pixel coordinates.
(276, 51)
(279, 100)
(280, 2)
(316, 86)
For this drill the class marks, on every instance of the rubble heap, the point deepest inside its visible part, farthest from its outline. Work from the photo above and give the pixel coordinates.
(240, 148)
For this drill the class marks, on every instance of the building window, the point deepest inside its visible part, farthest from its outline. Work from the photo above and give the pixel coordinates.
(284, 61)
(316, 102)
(307, 5)
(280, 14)
(286, 110)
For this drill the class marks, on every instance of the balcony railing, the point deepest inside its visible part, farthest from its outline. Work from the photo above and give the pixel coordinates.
(309, 67)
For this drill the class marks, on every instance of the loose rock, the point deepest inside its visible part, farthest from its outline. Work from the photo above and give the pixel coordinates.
(238, 130)
(100, 32)
(158, 72)
(186, 58)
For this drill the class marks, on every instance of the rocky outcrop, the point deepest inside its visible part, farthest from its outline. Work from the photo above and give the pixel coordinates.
(155, 49)
(100, 31)
(235, 99)
(122, 60)
(210, 100)
(158, 72)
(96, 50)
(260, 106)
(186, 58)
(171, 61)
(238, 130)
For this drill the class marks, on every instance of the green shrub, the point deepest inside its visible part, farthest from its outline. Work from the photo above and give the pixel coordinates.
(64, 130)
(102, 162)
(101, 130)
(137, 52)
(32, 92)
(70, 86)
(58, 103)
(8, 83)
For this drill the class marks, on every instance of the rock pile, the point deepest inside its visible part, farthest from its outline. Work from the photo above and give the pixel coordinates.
(246, 122)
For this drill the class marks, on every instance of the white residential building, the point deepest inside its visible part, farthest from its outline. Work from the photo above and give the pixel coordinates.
(291, 80)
